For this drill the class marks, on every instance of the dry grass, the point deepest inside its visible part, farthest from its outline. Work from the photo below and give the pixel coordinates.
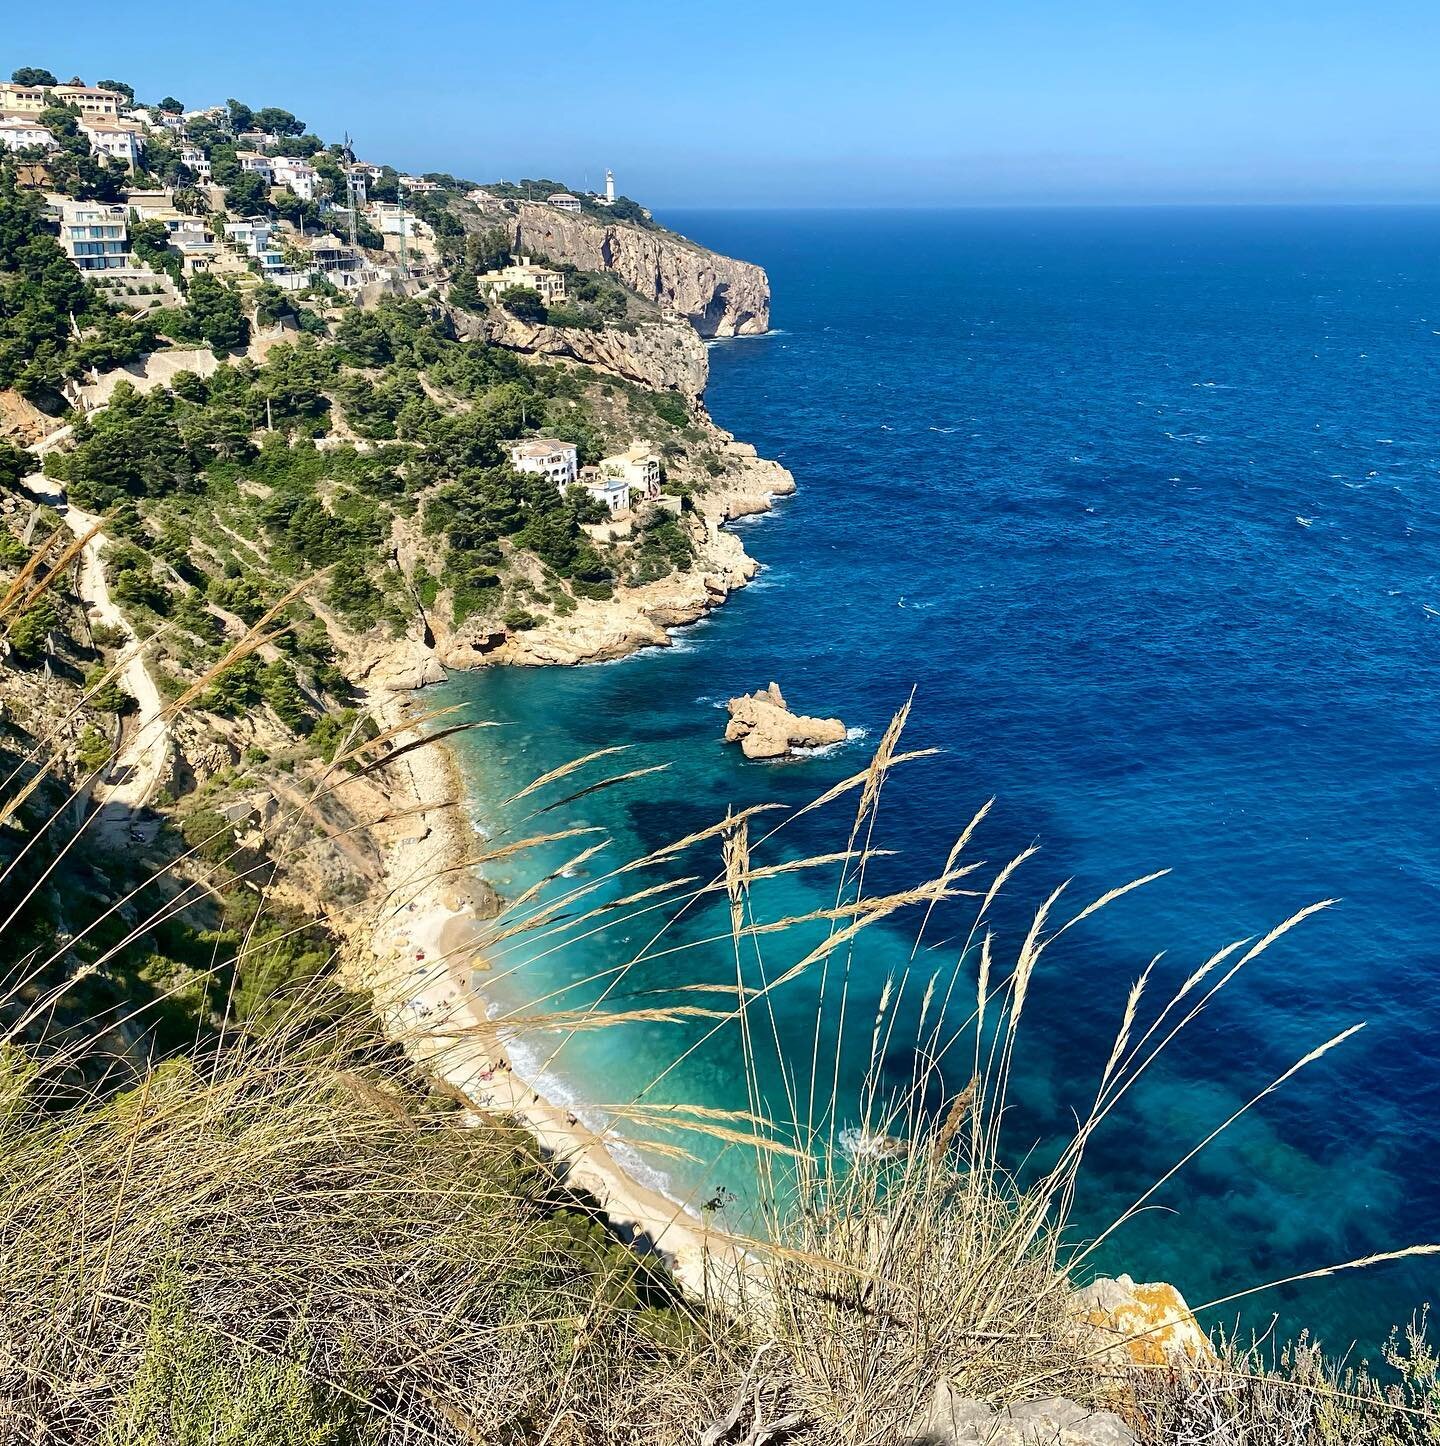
(288, 1237)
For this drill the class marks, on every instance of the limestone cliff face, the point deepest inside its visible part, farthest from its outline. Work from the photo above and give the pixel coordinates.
(720, 296)
(660, 355)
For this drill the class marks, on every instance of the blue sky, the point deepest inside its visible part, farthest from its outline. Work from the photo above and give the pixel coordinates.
(796, 102)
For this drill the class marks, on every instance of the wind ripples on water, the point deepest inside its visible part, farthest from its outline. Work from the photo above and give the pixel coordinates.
(1100, 587)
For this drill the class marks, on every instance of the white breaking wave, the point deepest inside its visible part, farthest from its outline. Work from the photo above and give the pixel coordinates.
(558, 1092)
(852, 735)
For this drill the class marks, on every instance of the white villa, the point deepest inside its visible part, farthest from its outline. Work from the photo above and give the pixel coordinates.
(547, 458)
(255, 240)
(300, 176)
(120, 140)
(193, 158)
(190, 236)
(564, 201)
(601, 486)
(96, 236)
(359, 178)
(614, 482)
(638, 467)
(550, 284)
(19, 134)
(261, 166)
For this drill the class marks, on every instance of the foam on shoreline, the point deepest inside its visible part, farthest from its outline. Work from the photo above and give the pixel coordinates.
(424, 948)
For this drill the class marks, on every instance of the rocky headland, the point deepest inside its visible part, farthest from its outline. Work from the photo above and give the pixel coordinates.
(717, 294)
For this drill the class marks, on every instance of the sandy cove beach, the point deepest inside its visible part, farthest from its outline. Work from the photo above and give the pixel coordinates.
(424, 954)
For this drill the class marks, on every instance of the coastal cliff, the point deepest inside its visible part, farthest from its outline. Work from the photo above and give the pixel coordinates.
(666, 356)
(719, 295)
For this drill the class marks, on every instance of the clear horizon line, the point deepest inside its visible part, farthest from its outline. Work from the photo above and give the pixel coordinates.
(1330, 204)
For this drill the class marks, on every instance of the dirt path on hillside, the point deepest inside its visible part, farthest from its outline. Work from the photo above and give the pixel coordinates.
(143, 759)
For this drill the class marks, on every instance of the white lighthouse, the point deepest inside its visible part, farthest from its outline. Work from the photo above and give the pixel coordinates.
(609, 188)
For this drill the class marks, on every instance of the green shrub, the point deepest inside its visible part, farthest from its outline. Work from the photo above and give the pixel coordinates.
(670, 407)
(30, 631)
(353, 595)
(93, 750)
(209, 833)
(194, 1388)
(108, 696)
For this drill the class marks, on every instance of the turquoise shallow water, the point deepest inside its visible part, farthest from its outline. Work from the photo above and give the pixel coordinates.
(1158, 491)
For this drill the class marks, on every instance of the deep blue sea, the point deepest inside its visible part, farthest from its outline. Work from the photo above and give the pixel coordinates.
(1145, 507)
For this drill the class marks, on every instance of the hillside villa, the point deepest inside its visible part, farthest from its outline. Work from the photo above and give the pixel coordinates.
(629, 476)
(638, 467)
(606, 488)
(300, 176)
(90, 101)
(94, 235)
(564, 201)
(22, 99)
(194, 159)
(256, 164)
(559, 461)
(19, 134)
(119, 140)
(524, 273)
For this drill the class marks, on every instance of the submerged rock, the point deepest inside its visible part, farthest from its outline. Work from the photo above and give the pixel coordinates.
(764, 727)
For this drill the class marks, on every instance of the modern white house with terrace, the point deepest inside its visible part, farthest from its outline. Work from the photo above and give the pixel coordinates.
(119, 140)
(300, 176)
(95, 236)
(193, 159)
(606, 488)
(256, 164)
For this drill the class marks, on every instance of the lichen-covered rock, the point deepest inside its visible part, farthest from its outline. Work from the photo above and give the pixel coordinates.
(1147, 1325)
(953, 1420)
(719, 295)
(764, 727)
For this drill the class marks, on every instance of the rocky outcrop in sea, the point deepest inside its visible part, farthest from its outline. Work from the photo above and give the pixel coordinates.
(764, 727)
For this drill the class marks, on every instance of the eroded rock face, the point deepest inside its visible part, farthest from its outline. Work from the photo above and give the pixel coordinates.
(1147, 1325)
(401, 665)
(764, 727)
(662, 355)
(719, 295)
(960, 1421)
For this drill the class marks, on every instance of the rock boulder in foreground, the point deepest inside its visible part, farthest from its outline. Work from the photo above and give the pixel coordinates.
(764, 727)
(958, 1421)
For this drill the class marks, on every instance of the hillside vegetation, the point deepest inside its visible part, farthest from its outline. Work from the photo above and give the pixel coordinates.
(241, 1202)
